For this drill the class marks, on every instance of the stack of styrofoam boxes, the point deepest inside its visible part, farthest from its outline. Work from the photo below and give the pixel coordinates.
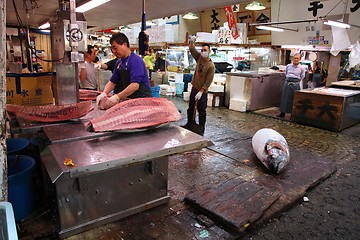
(216, 86)
(132, 34)
(161, 32)
(175, 78)
(166, 90)
(237, 97)
(166, 33)
(206, 37)
(186, 95)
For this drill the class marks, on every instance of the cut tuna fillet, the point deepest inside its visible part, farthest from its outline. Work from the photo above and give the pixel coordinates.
(135, 114)
(50, 113)
(88, 94)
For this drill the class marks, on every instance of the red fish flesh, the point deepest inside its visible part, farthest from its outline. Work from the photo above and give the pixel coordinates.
(50, 113)
(136, 114)
(86, 94)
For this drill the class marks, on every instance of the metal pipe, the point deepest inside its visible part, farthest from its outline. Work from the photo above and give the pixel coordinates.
(283, 22)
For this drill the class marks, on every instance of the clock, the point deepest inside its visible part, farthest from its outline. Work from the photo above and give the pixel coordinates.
(312, 56)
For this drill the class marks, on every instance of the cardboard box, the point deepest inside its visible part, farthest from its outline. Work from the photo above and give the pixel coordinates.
(29, 89)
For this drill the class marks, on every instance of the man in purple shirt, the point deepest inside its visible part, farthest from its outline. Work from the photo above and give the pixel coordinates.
(130, 78)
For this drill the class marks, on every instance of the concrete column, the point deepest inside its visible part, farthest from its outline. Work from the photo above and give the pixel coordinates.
(3, 160)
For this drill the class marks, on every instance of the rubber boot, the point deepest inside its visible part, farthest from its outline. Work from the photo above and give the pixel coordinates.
(190, 121)
(202, 121)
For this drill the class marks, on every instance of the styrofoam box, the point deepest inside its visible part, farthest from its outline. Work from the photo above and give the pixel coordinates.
(210, 101)
(163, 27)
(189, 87)
(206, 37)
(176, 77)
(216, 88)
(237, 105)
(166, 36)
(186, 96)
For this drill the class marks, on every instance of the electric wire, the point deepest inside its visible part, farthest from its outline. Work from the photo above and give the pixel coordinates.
(332, 9)
(24, 30)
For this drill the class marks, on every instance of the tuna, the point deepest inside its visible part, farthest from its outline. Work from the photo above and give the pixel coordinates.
(50, 113)
(86, 94)
(139, 113)
(272, 149)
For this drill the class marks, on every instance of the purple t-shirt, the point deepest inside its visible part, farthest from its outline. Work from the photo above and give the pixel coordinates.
(136, 67)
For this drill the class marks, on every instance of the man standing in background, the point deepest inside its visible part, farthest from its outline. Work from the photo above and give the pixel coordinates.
(294, 74)
(201, 81)
(88, 76)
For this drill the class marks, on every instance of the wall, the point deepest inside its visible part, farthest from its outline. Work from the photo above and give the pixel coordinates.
(42, 42)
(213, 18)
(186, 25)
(289, 10)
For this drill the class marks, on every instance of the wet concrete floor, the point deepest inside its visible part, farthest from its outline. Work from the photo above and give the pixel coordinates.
(332, 212)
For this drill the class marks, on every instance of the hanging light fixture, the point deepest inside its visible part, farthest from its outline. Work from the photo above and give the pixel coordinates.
(90, 5)
(275, 29)
(44, 26)
(190, 16)
(336, 24)
(254, 6)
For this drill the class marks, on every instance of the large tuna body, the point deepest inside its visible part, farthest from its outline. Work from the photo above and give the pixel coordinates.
(136, 114)
(271, 148)
(50, 113)
(86, 94)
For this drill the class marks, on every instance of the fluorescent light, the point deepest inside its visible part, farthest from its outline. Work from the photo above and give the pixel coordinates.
(44, 26)
(90, 5)
(275, 29)
(254, 6)
(190, 16)
(337, 24)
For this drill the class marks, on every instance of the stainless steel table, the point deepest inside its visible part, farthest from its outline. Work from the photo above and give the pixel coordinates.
(115, 175)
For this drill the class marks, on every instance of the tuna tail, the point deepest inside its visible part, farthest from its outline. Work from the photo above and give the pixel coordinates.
(277, 155)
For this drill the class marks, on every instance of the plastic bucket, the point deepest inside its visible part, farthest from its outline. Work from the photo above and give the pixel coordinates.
(16, 146)
(20, 185)
(179, 88)
(155, 91)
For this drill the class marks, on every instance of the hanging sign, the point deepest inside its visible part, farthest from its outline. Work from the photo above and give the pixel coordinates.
(231, 21)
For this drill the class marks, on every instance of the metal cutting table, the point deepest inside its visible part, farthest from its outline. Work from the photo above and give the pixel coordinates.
(116, 174)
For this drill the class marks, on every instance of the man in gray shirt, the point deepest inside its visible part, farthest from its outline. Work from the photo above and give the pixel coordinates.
(88, 76)
(294, 74)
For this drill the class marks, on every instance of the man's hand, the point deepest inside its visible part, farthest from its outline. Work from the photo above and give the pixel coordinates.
(112, 101)
(101, 96)
(198, 95)
(192, 38)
